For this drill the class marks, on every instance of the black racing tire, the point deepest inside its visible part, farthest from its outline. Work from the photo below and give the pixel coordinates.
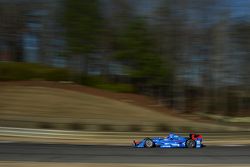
(190, 143)
(149, 143)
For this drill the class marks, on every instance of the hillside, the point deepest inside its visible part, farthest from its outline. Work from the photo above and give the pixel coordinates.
(59, 104)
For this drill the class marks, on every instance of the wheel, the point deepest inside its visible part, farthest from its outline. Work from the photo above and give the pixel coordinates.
(190, 143)
(149, 143)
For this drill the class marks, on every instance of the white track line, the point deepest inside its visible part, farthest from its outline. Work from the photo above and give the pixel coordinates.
(5, 142)
(233, 145)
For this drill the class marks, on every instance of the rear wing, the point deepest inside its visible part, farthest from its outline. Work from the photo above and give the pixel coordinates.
(195, 136)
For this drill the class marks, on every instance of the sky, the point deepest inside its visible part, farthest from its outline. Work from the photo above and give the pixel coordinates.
(237, 8)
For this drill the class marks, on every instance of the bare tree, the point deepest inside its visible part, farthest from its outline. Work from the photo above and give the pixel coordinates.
(11, 27)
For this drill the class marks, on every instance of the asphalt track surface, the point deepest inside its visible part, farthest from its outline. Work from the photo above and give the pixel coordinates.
(30, 152)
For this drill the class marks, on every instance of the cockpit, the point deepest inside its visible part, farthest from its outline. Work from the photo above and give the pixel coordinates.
(172, 136)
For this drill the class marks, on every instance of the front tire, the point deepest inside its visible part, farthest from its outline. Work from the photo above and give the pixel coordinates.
(190, 143)
(149, 143)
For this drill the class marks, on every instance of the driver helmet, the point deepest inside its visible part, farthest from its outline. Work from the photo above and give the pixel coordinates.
(171, 135)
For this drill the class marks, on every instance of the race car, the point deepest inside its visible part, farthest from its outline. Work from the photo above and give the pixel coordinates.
(171, 141)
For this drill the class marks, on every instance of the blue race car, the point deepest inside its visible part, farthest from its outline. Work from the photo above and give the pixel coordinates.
(171, 141)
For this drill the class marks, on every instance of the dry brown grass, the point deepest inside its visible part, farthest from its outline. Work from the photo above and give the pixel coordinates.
(36, 103)
(55, 103)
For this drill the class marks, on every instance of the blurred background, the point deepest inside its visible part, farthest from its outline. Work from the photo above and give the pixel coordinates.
(187, 60)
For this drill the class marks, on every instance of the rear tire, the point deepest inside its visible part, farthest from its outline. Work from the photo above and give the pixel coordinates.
(190, 143)
(149, 143)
